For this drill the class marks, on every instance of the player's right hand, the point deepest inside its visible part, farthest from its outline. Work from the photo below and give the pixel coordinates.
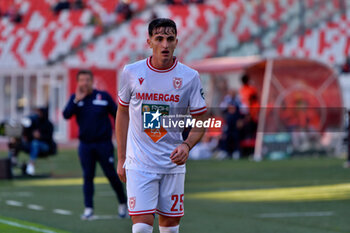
(180, 155)
(121, 173)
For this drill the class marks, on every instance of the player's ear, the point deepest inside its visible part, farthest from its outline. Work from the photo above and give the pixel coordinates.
(176, 42)
(149, 42)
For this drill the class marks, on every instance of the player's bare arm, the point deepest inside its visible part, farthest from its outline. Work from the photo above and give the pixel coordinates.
(121, 131)
(180, 154)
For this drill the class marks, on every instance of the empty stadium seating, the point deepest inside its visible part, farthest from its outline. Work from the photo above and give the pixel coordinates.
(42, 35)
(219, 27)
(329, 43)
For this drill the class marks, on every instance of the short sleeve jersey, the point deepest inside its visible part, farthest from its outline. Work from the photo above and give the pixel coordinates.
(176, 90)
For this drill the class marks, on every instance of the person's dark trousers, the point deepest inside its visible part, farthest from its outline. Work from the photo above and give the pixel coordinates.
(37, 147)
(103, 152)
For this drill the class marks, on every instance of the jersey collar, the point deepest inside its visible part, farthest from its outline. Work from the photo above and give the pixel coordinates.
(161, 70)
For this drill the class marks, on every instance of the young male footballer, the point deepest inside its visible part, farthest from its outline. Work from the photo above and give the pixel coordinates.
(151, 158)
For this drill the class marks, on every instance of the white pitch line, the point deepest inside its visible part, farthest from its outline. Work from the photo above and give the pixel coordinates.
(62, 212)
(15, 224)
(35, 207)
(105, 217)
(14, 203)
(296, 214)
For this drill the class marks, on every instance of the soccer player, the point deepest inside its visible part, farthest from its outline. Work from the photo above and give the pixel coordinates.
(92, 109)
(152, 161)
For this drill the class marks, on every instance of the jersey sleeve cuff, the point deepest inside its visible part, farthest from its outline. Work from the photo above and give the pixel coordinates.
(123, 103)
(198, 111)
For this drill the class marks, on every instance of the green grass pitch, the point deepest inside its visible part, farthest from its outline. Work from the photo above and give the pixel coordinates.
(298, 195)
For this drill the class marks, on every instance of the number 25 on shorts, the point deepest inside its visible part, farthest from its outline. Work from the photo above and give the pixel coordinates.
(178, 199)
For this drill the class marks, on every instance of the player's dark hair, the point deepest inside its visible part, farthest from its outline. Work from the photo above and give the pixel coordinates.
(88, 72)
(160, 23)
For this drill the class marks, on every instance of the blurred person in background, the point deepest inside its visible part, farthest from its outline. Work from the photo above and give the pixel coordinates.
(124, 10)
(93, 109)
(61, 5)
(232, 98)
(346, 66)
(246, 91)
(13, 14)
(249, 127)
(231, 108)
(78, 5)
(231, 135)
(36, 139)
(254, 107)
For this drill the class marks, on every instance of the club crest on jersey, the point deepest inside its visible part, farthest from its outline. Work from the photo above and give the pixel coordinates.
(177, 82)
(141, 80)
(132, 202)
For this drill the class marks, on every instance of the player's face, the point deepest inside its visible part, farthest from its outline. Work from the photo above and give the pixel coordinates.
(85, 83)
(163, 43)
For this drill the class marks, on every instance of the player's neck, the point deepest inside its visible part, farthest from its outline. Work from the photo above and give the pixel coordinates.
(162, 64)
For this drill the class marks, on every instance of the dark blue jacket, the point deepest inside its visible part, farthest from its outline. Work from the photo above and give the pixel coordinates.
(92, 114)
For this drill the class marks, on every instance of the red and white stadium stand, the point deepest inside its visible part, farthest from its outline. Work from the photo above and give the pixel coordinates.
(209, 30)
(204, 30)
(42, 35)
(329, 43)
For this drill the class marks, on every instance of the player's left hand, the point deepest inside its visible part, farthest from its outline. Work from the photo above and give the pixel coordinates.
(180, 154)
(121, 172)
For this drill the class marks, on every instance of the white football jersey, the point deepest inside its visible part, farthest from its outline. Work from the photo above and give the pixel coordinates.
(143, 88)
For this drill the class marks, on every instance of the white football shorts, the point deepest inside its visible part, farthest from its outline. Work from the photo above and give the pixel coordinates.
(150, 193)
